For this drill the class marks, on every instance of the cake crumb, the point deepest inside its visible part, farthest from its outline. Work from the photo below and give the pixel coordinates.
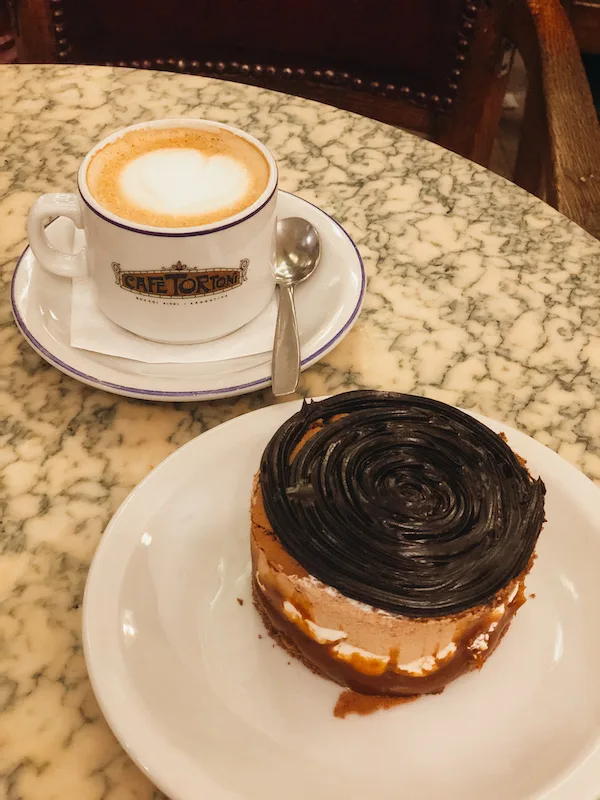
(240, 601)
(260, 635)
(350, 702)
(532, 596)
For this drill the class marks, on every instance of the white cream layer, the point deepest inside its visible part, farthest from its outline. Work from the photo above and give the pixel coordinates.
(346, 652)
(419, 667)
(320, 635)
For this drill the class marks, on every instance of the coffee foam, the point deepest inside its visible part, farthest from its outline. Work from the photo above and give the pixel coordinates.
(184, 181)
(177, 177)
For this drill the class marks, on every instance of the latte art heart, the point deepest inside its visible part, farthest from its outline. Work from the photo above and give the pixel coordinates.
(184, 181)
(178, 177)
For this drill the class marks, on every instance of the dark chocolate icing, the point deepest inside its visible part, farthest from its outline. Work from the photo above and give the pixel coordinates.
(403, 503)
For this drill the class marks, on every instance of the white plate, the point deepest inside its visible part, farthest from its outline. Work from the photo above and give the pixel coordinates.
(328, 305)
(209, 710)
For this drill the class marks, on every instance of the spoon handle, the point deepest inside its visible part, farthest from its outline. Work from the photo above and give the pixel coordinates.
(285, 369)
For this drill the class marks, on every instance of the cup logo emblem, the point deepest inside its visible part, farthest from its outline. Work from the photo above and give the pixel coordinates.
(181, 281)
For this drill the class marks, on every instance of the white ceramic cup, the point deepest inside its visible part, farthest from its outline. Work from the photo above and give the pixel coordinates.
(177, 285)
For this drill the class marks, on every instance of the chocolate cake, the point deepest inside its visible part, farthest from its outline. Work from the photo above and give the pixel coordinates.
(391, 538)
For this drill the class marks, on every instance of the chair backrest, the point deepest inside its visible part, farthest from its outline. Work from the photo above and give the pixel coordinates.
(8, 52)
(401, 61)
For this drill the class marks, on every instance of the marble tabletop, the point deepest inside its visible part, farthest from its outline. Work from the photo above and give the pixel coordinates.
(478, 294)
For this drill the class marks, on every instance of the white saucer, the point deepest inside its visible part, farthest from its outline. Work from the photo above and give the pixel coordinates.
(210, 710)
(328, 305)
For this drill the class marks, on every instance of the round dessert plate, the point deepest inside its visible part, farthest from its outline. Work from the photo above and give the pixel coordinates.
(328, 305)
(209, 707)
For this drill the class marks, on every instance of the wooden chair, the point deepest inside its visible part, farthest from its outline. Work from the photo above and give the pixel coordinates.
(585, 19)
(438, 67)
(8, 51)
(559, 148)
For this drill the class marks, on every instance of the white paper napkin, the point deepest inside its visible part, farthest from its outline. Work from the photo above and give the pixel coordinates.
(92, 330)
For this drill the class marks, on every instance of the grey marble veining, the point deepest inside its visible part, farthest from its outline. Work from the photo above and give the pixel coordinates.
(478, 294)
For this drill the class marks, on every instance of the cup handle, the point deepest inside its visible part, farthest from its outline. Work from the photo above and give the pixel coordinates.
(66, 265)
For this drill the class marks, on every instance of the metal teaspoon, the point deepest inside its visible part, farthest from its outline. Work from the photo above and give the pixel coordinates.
(297, 255)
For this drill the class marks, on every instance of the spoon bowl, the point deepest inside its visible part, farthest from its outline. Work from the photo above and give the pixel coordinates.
(298, 250)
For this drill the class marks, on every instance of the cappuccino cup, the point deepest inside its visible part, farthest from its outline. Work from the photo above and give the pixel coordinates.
(179, 222)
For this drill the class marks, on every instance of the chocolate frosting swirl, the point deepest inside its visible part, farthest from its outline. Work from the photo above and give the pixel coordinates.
(403, 503)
